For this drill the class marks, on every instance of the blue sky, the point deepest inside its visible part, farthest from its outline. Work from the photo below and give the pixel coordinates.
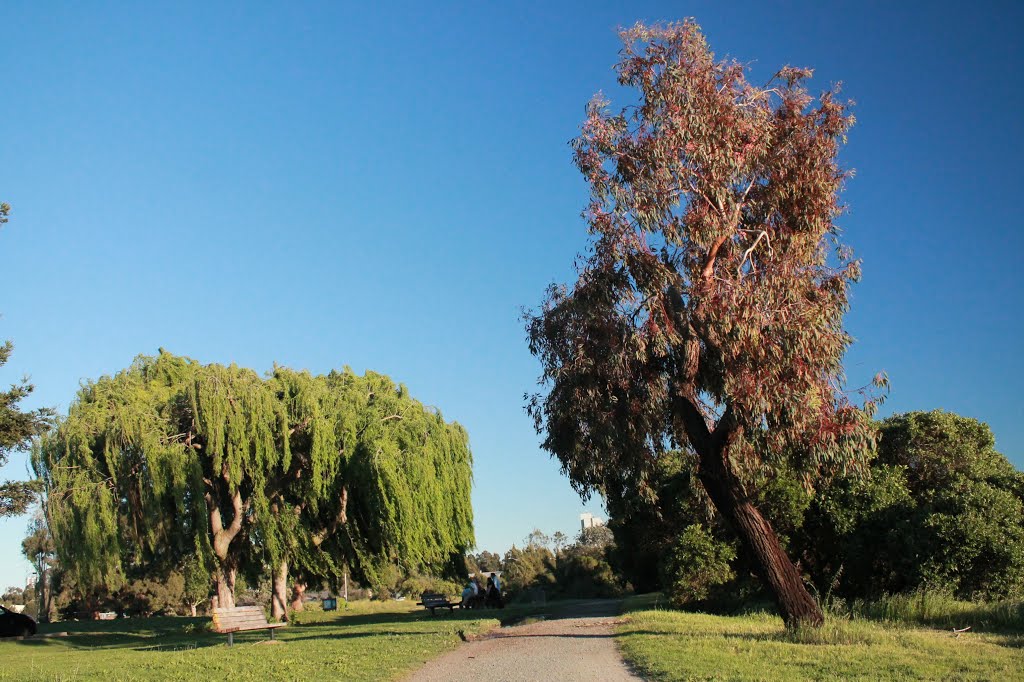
(333, 184)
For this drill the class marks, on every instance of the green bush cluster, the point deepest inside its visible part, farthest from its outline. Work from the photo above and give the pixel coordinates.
(696, 563)
(939, 511)
(547, 565)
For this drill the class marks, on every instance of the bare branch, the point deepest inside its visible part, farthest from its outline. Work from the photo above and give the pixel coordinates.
(761, 234)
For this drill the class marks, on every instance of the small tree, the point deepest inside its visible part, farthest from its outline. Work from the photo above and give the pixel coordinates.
(696, 563)
(538, 538)
(598, 537)
(196, 583)
(708, 313)
(530, 567)
(484, 562)
(39, 549)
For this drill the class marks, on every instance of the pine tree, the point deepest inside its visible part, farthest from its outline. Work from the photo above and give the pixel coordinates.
(17, 428)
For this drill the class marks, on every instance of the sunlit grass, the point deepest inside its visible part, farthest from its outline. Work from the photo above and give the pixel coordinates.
(673, 645)
(936, 609)
(379, 641)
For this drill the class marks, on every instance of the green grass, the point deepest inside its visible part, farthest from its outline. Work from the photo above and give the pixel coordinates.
(379, 641)
(673, 645)
(936, 609)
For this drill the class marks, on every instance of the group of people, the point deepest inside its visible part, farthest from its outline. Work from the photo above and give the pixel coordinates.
(474, 596)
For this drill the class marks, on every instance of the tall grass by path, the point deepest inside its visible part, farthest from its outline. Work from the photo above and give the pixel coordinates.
(937, 609)
(673, 645)
(373, 642)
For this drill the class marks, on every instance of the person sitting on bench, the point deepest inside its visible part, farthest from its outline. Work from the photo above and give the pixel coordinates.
(469, 595)
(493, 598)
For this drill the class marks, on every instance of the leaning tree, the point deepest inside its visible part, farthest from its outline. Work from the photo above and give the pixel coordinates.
(708, 311)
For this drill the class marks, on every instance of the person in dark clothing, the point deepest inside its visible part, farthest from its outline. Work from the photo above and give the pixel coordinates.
(493, 595)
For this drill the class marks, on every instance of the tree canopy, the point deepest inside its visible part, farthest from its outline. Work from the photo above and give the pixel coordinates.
(707, 314)
(942, 510)
(17, 427)
(170, 459)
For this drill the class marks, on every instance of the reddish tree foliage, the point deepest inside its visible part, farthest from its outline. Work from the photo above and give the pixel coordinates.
(708, 313)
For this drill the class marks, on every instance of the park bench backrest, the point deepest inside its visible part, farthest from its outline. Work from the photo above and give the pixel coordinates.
(432, 598)
(239, 618)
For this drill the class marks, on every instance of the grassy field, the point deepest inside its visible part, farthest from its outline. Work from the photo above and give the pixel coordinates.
(672, 645)
(369, 641)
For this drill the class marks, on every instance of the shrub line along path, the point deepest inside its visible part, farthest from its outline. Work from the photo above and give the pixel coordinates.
(575, 644)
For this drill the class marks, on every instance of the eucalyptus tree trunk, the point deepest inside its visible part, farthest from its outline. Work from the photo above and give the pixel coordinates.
(279, 594)
(727, 492)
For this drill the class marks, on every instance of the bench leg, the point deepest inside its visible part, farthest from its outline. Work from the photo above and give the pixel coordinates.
(231, 638)
(271, 633)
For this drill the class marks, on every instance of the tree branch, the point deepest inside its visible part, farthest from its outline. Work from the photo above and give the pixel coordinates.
(339, 520)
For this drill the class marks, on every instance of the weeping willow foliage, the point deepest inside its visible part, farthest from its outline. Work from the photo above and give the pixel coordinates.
(327, 473)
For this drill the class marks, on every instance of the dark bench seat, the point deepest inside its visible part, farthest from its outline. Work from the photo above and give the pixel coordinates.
(432, 600)
(241, 619)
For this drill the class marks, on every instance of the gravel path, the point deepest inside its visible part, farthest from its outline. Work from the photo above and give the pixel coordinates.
(579, 645)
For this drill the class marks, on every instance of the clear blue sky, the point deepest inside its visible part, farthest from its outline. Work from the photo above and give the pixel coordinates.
(330, 184)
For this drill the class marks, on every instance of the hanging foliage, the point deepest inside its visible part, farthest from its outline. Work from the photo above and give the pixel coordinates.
(170, 460)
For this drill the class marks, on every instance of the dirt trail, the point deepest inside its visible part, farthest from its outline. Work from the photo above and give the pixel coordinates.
(576, 645)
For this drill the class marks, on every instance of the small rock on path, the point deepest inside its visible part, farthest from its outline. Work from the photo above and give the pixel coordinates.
(579, 645)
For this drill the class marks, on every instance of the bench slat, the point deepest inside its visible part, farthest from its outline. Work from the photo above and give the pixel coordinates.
(241, 618)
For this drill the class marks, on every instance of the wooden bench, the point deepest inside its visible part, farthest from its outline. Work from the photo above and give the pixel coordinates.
(240, 619)
(432, 600)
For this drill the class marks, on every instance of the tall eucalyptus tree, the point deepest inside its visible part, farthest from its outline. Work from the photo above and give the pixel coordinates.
(708, 313)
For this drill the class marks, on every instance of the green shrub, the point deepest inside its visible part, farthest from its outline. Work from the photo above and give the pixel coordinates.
(941, 511)
(696, 563)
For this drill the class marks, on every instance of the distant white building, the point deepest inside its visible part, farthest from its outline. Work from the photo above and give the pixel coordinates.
(588, 520)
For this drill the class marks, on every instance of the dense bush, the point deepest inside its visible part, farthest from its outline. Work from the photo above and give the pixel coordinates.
(941, 510)
(528, 568)
(696, 563)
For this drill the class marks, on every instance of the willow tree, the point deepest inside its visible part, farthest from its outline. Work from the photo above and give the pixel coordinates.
(171, 459)
(165, 459)
(410, 484)
(708, 313)
(402, 496)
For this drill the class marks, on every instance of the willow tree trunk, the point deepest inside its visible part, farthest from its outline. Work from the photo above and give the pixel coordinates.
(221, 538)
(225, 578)
(279, 594)
(732, 501)
(298, 592)
(45, 597)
